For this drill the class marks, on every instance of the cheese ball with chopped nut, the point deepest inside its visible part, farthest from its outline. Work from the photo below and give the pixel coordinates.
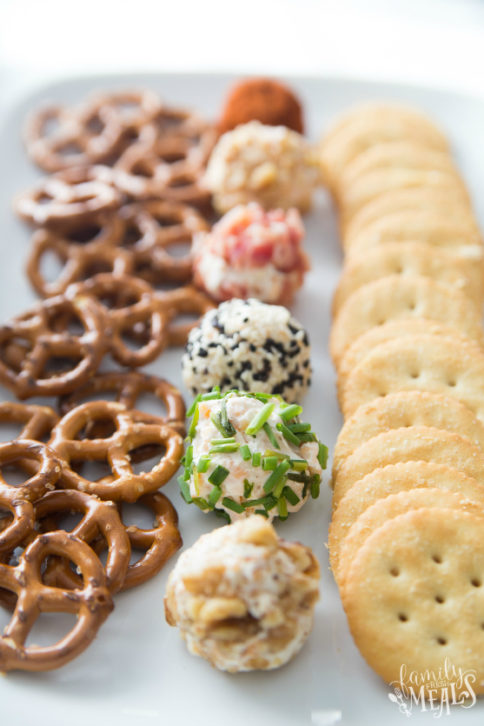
(271, 165)
(244, 598)
(249, 345)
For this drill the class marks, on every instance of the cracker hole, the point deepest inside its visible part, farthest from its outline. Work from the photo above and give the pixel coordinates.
(394, 572)
(414, 374)
(442, 641)
(437, 559)
(411, 306)
(476, 582)
(452, 383)
(439, 599)
(402, 617)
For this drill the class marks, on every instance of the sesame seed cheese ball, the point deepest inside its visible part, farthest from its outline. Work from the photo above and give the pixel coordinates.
(250, 453)
(250, 346)
(244, 598)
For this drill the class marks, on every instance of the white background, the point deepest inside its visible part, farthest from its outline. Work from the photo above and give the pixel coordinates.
(432, 42)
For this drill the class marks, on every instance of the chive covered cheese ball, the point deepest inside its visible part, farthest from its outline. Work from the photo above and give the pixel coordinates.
(251, 346)
(250, 453)
(244, 598)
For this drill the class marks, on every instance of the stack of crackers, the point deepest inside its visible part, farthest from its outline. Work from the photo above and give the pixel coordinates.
(407, 533)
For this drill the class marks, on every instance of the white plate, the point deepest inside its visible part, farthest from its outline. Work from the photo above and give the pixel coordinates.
(138, 670)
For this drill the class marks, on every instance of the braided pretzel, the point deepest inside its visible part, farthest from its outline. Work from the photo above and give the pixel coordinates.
(100, 519)
(92, 603)
(79, 262)
(78, 192)
(17, 499)
(44, 335)
(37, 421)
(130, 433)
(134, 305)
(82, 138)
(185, 300)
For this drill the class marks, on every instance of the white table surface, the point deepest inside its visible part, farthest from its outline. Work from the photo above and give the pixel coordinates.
(431, 42)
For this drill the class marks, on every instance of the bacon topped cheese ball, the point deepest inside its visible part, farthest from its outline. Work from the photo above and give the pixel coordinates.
(252, 253)
(250, 453)
(244, 598)
(271, 165)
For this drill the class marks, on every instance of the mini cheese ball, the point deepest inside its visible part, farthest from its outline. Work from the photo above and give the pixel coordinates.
(251, 346)
(271, 165)
(244, 598)
(264, 100)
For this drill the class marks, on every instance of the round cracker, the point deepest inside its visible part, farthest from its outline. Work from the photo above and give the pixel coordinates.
(365, 126)
(414, 443)
(396, 155)
(389, 331)
(429, 200)
(407, 408)
(389, 480)
(410, 259)
(354, 197)
(429, 227)
(398, 298)
(418, 363)
(390, 507)
(416, 584)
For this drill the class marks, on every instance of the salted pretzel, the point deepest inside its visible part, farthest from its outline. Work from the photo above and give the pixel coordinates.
(18, 499)
(130, 433)
(82, 137)
(39, 337)
(128, 303)
(184, 301)
(37, 421)
(79, 262)
(128, 387)
(73, 194)
(91, 602)
(99, 520)
(163, 225)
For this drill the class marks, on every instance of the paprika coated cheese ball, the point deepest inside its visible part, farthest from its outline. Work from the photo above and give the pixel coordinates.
(261, 99)
(244, 598)
(251, 346)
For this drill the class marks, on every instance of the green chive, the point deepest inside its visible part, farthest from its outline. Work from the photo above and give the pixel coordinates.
(192, 408)
(269, 502)
(259, 419)
(218, 475)
(224, 419)
(262, 397)
(201, 503)
(188, 458)
(270, 435)
(263, 512)
(299, 464)
(227, 432)
(224, 448)
(245, 452)
(291, 412)
(282, 509)
(231, 504)
(322, 455)
(299, 428)
(277, 491)
(269, 463)
(248, 487)
(256, 457)
(287, 433)
(203, 464)
(276, 476)
(290, 495)
(193, 425)
(214, 496)
(225, 440)
(279, 454)
(306, 437)
(211, 395)
(299, 476)
(222, 515)
(315, 487)
(185, 490)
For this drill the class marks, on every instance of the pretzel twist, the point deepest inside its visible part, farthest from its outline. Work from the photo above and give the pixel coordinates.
(184, 300)
(91, 603)
(45, 337)
(130, 434)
